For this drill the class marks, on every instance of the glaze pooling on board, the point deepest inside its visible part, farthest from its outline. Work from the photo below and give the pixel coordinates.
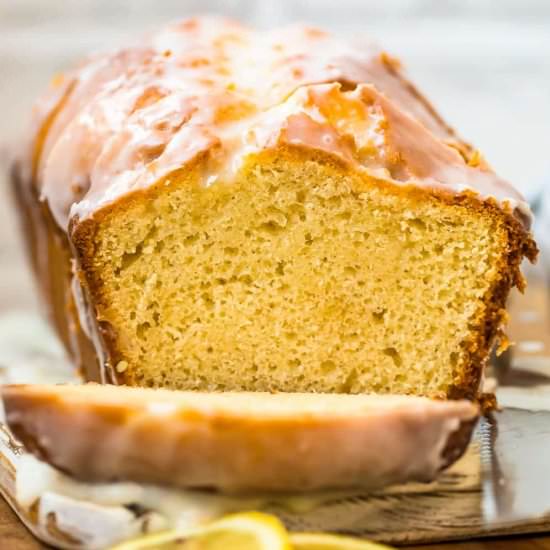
(122, 121)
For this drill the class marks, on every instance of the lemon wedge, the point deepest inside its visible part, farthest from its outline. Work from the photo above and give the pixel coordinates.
(246, 531)
(321, 541)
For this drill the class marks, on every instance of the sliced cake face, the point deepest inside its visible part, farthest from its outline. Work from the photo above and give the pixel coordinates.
(238, 442)
(297, 276)
(271, 211)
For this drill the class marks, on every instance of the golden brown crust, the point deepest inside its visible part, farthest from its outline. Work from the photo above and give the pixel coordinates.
(490, 320)
(274, 442)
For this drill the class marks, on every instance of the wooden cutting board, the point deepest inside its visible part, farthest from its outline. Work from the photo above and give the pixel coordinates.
(448, 509)
(15, 536)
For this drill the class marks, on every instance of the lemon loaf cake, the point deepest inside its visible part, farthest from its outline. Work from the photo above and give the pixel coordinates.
(238, 442)
(225, 209)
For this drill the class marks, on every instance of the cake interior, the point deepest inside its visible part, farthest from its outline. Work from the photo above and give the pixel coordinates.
(296, 276)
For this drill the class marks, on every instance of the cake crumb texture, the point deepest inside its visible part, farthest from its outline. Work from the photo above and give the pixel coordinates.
(298, 276)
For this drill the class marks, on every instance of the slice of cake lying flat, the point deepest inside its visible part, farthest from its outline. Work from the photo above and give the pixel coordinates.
(238, 442)
(224, 209)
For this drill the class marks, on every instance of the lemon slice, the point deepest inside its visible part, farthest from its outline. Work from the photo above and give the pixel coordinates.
(321, 541)
(246, 531)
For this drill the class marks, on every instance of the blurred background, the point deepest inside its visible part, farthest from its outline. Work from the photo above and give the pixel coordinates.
(485, 64)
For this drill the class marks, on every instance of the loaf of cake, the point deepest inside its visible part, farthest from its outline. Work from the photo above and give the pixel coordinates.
(223, 209)
(238, 442)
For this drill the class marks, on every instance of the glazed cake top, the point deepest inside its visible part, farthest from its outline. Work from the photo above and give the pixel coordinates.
(237, 440)
(210, 86)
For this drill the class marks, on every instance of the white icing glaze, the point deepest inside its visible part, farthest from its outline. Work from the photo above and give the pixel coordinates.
(178, 507)
(212, 86)
(82, 310)
(94, 526)
(76, 503)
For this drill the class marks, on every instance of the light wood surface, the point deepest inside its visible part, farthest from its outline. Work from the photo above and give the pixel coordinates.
(14, 536)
